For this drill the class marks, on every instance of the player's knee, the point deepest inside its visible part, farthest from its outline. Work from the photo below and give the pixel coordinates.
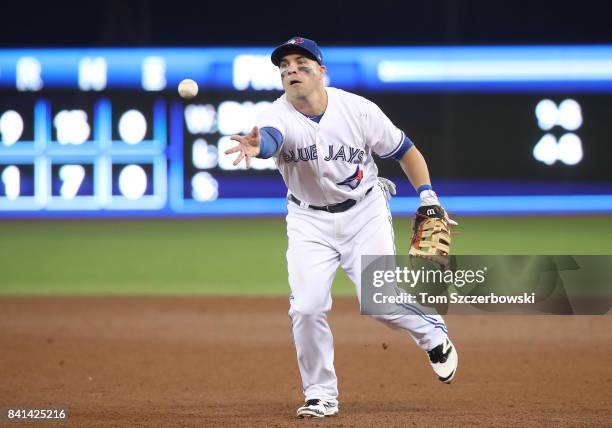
(310, 306)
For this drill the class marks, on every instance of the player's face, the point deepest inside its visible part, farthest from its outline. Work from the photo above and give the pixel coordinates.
(301, 75)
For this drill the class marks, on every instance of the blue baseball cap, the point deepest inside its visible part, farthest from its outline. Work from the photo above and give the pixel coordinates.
(297, 44)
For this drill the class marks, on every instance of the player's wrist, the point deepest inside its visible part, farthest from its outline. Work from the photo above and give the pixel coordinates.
(423, 187)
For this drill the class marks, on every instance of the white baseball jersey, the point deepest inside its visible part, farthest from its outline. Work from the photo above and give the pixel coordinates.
(331, 161)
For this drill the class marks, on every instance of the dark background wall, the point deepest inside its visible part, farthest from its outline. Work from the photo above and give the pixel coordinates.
(332, 22)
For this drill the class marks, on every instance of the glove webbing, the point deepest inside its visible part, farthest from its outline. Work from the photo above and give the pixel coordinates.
(431, 238)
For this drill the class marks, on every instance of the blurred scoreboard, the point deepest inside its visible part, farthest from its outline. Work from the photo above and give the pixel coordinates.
(97, 132)
(119, 152)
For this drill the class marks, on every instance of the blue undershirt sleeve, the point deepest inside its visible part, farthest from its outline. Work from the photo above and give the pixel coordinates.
(271, 140)
(405, 145)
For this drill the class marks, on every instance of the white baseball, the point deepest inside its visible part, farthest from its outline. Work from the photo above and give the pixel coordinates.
(188, 88)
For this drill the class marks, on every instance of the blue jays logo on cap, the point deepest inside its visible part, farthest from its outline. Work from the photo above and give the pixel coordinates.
(297, 44)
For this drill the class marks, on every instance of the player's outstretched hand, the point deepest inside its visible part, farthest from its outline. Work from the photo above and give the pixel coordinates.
(248, 146)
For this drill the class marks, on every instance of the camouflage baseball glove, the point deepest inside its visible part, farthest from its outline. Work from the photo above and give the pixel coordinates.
(431, 238)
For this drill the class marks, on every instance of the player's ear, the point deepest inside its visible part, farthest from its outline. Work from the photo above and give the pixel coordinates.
(322, 70)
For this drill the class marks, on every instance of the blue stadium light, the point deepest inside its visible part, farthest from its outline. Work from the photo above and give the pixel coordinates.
(579, 68)
(498, 64)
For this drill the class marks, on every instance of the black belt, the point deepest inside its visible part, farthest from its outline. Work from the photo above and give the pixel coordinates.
(334, 208)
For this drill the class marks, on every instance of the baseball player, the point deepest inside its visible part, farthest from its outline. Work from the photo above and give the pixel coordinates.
(323, 140)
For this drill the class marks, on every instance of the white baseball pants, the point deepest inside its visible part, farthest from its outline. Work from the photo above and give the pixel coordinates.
(320, 242)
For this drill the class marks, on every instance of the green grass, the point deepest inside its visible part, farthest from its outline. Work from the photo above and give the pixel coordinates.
(230, 257)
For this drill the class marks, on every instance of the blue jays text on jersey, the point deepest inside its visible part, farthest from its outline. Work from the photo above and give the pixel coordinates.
(343, 153)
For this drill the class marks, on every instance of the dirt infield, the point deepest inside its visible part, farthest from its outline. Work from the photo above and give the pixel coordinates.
(231, 362)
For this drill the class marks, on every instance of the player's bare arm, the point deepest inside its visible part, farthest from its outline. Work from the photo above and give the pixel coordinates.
(414, 166)
(247, 148)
